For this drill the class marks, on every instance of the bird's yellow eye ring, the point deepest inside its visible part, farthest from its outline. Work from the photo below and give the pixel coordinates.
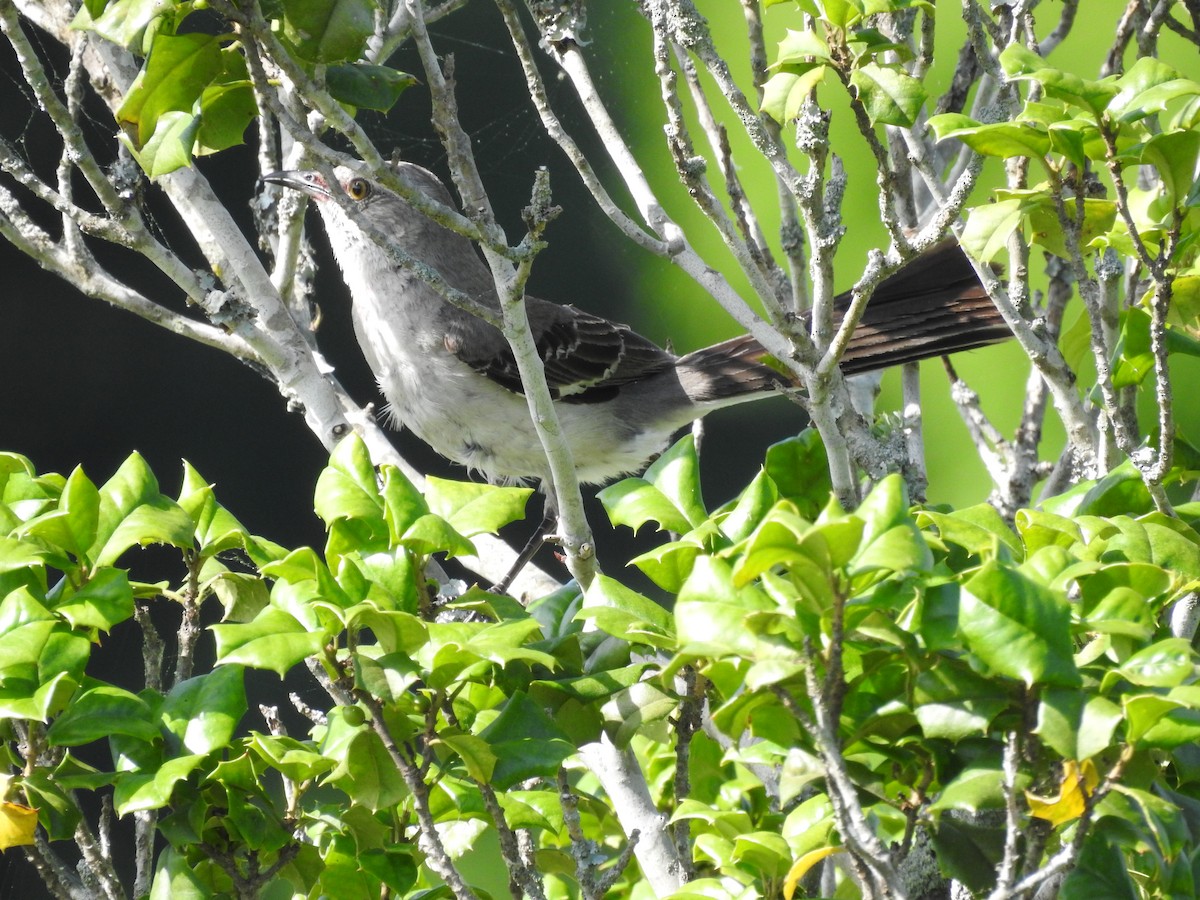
(358, 188)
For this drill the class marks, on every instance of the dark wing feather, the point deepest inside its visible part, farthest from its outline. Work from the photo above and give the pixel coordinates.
(586, 358)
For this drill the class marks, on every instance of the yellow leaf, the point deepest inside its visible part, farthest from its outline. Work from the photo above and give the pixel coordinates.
(17, 824)
(1072, 794)
(801, 866)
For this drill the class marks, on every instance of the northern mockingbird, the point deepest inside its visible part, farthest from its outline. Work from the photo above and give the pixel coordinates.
(451, 377)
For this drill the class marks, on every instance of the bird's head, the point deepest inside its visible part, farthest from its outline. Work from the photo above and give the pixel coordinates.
(362, 191)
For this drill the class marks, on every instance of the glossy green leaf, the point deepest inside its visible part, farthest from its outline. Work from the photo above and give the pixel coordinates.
(121, 22)
(526, 743)
(1100, 872)
(403, 503)
(1147, 87)
(101, 711)
(152, 790)
(1020, 63)
(1167, 663)
(72, 526)
(365, 770)
(172, 80)
(763, 851)
(226, 110)
(633, 502)
(159, 522)
(433, 534)
(980, 786)
(999, 139)
(203, 712)
(799, 467)
(103, 602)
(473, 508)
(626, 614)
(367, 86)
(640, 709)
(587, 688)
(328, 31)
(347, 487)
(952, 702)
(275, 640)
(1075, 725)
(474, 752)
(989, 228)
(711, 613)
(1017, 627)
(978, 529)
(801, 47)
(296, 760)
(890, 96)
(786, 91)
(668, 565)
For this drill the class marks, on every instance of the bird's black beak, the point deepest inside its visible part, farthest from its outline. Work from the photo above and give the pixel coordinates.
(310, 183)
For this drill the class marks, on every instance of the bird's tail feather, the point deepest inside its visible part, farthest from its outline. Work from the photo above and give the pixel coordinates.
(932, 307)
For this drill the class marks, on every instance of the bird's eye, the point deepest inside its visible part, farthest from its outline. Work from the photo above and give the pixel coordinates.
(358, 189)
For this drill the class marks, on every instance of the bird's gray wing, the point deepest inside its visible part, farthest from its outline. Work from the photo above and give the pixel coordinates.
(586, 357)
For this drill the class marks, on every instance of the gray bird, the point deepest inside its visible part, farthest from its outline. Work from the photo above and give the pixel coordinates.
(451, 377)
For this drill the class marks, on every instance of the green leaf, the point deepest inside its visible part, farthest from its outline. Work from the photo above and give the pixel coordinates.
(104, 601)
(979, 529)
(979, 786)
(121, 22)
(72, 526)
(160, 522)
(1167, 663)
(402, 502)
(1017, 627)
(365, 770)
(1100, 872)
(472, 508)
(1000, 139)
(204, 712)
(989, 227)
(636, 711)
(799, 467)
(275, 640)
(667, 494)
(433, 534)
(786, 92)
(1174, 157)
(526, 742)
(1021, 63)
(295, 760)
(226, 110)
(474, 752)
(711, 612)
(134, 512)
(347, 487)
(890, 96)
(801, 47)
(152, 790)
(176, 72)
(1146, 88)
(952, 702)
(626, 614)
(367, 86)
(99, 712)
(968, 852)
(1075, 725)
(328, 31)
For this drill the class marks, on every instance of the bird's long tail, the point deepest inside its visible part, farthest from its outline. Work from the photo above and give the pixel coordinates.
(932, 307)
